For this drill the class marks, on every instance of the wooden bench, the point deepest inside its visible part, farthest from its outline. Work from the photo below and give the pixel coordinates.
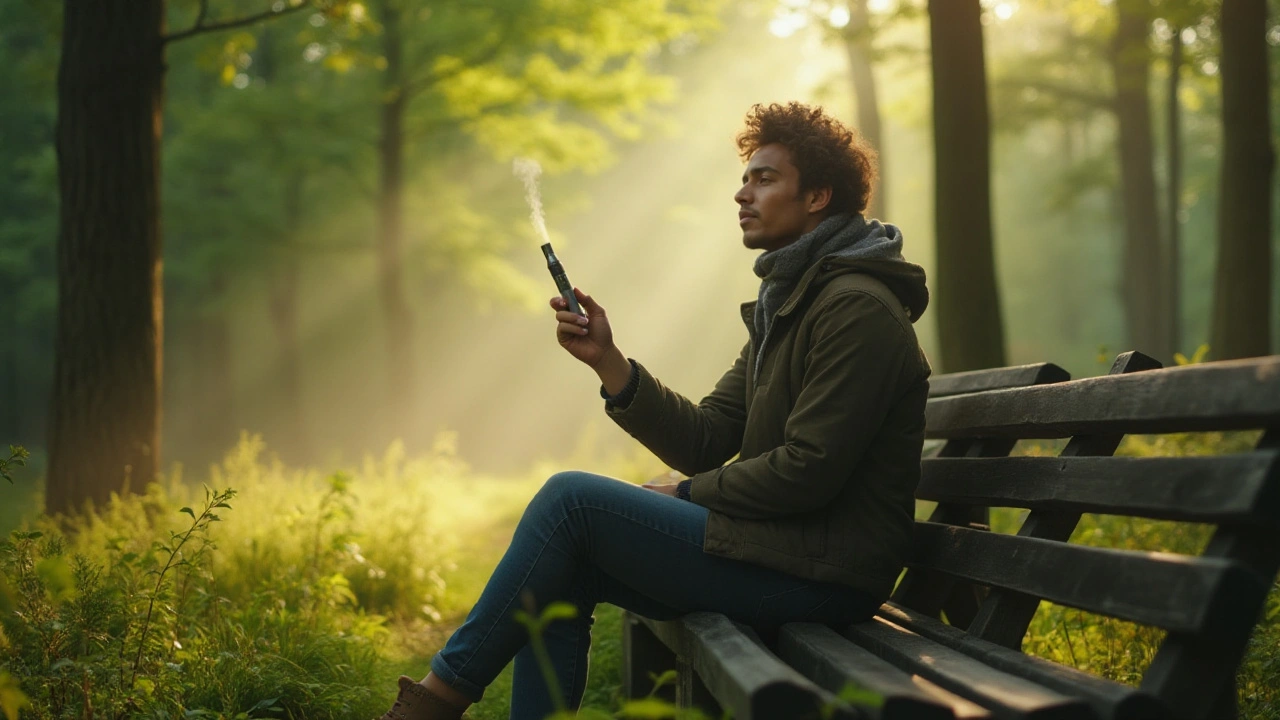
(909, 664)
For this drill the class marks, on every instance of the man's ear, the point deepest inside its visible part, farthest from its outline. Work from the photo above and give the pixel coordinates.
(819, 199)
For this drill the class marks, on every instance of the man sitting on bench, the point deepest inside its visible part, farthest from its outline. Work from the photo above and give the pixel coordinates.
(824, 409)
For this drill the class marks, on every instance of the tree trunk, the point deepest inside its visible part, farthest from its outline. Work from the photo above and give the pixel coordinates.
(1242, 284)
(292, 440)
(105, 409)
(1174, 202)
(1145, 263)
(857, 44)
(969, 323)
(398, 322)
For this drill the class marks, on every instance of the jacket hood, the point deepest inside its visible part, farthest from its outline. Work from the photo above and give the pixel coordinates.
(905, 280)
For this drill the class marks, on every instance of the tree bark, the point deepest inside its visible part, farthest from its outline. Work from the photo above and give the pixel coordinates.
(1145, 262)
(398, 325)
(857, 44)
(969, 322)
(105, 408)
(292, 440)
(1242, 284)
(1174, 200)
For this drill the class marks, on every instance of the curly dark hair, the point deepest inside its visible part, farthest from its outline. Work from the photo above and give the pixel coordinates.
(827, 153)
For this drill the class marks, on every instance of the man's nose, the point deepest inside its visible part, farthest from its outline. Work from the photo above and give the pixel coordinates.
(742, 197)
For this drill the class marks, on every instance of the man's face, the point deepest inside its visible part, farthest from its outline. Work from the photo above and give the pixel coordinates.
(772, 211)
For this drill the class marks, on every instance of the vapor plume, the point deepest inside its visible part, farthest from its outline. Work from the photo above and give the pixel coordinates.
(529, 171)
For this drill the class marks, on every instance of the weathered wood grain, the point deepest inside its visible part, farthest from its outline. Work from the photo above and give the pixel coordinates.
(996, 379)
(1234, 395)
(1111, 700)
(742, 675)
(1216, 489)
(1175, 592)
(1006, 695)
(832, 662)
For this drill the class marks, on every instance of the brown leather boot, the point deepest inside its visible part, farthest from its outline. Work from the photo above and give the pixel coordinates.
(415, 702)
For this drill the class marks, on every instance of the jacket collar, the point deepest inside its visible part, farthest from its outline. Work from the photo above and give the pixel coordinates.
(825, 269)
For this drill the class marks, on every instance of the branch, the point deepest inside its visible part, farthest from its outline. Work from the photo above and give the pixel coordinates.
(435, 122)
(417, 85)
(199, 28)
(413, 87)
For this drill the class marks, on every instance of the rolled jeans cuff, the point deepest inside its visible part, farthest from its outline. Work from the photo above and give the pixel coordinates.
(442, 670)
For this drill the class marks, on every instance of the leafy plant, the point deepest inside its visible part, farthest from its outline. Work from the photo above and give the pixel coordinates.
(17, 458)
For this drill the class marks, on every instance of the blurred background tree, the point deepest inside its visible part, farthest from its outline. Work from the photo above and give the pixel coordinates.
(1242, 288)
(970, 329)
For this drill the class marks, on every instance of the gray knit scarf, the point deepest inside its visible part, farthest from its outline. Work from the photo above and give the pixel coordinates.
(844, 236)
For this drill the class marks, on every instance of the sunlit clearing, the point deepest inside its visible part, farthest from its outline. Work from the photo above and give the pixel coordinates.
(839, 17)
(1005, 10)
(880, 6)
(785, 24)
(652, 238)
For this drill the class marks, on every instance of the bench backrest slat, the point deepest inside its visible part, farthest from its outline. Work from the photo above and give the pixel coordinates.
(1003, 616)
(1237, 395)
(1175, 592)
(1216, 489)
(996, 379)
(1208, 603)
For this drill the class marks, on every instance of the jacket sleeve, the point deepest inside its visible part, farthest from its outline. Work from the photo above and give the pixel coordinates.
(690, 438)
(857, 351)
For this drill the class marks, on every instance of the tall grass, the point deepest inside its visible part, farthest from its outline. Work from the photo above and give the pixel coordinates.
(284, 601)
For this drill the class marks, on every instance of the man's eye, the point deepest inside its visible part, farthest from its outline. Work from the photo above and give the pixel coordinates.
(764, 180)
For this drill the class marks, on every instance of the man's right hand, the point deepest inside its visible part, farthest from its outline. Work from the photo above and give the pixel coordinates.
(590, 339)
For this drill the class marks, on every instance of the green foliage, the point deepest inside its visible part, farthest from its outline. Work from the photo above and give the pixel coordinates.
(137, 630)
(17, 458)
(1196, 358)
(1122, 650)
(132, 614)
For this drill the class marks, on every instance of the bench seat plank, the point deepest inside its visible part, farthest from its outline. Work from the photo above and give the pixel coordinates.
(833, 662)
(1233, 395)
(741, 673)
(1007, 696)
(1111, 700)
(1218, 489)
(1175, 592)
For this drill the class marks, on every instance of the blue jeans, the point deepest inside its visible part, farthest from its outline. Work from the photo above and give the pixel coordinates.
(587, 539)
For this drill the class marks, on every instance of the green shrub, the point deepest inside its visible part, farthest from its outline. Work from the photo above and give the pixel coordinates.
(138, 627)
(139, 609)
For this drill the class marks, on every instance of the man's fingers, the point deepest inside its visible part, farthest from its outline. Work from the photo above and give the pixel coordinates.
(571, 318)
(588, 304)
(565, 328)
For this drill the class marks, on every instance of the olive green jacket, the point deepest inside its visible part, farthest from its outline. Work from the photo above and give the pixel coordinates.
(828, 444)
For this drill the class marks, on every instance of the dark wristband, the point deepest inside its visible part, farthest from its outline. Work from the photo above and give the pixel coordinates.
(626, 394)
(683, 489)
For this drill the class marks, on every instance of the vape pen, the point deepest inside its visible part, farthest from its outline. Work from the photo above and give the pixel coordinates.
(562, 280)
